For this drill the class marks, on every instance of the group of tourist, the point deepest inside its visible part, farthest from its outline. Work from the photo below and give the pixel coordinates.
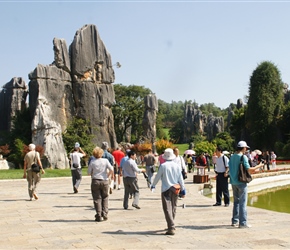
(104, 166)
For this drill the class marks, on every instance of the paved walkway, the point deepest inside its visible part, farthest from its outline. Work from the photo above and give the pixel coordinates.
(63, 220)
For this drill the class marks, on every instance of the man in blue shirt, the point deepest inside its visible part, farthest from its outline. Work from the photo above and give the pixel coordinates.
(240, 190)
(130, 169)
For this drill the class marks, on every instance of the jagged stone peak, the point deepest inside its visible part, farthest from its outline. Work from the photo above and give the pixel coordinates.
(15, 83)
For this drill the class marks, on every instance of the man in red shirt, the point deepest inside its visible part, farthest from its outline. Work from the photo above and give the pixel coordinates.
(118, 155)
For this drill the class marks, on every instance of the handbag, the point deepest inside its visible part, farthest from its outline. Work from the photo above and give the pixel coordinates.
(175, 189)
(244, 175)
(35, 167)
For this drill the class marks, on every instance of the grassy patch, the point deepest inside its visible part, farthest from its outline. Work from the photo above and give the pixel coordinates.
(49, 173)
(181, 147)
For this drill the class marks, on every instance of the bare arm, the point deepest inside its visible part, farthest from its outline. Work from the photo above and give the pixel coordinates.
(40, 164)
(24, 169)
(253, 169)
(82, 152)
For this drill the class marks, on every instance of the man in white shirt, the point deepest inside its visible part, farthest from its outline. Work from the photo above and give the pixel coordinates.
(222, 171)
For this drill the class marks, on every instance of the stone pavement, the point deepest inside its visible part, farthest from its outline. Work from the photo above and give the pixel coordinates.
(63, 220)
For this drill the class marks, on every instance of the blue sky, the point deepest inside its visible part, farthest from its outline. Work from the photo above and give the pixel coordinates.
(182, 50)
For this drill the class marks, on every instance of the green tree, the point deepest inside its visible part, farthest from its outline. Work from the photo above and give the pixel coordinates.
(237, 126)
(78, 130)
(17, 155)
(19, 136)
(204, 146)
(177, 131)
(210, 108)
(264, 105)
(225, 141)
(129, 110)
(284, 123)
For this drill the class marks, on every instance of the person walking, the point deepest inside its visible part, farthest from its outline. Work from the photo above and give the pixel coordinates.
(76, 168)
(240, 190)
(273, 159)
(100, 170)
(149, 161)
(33, 178)
(130, 169)
(169, 173)
(222, 171)
(180, 162)
(207, 157)
(118, 154)
(267, 160)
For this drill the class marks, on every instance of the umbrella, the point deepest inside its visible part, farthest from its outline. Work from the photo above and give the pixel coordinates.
(226, 152)
(189, 152)
(253, 154)
(258, 151)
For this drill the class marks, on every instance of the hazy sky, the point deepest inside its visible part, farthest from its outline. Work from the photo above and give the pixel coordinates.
(182, 50)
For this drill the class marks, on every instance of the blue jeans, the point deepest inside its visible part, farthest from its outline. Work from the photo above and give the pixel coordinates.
(240, 193)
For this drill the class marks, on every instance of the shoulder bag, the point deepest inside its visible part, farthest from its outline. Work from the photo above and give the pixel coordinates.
(35, 167)
(244, 175)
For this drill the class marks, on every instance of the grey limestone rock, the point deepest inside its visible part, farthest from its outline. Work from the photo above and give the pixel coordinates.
(13, 98)
(149, 119)
(55, 86)
(90, 59)
(61, 55)
(47, 132)
(195, 122)
(51, 106)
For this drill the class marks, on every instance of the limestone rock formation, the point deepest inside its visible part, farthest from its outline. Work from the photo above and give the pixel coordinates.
(195, 122)
(78, 83)
(61, 55)
(214, 126)
(13, 97)
(149, 119)
(92, 78)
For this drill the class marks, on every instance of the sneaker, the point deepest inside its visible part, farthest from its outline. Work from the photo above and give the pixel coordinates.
(111, 191)
(235, 225)
(114, 186)
(75, 190)
(119, 188)
(245, 226)
(105, 217)
(217, 204)
(226, 205)
(170, 232)
(136, 206)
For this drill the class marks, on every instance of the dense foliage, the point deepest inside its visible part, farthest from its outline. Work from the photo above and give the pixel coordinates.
(264, 105)
(128, 111)
(78, 130)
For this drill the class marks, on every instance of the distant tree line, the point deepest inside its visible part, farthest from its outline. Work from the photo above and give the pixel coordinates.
(264, 122)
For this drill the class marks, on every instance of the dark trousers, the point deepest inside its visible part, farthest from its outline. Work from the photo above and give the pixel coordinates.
(130, 187)
(222, 188)
(169, 203)
(99, 189)
(76, 177)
